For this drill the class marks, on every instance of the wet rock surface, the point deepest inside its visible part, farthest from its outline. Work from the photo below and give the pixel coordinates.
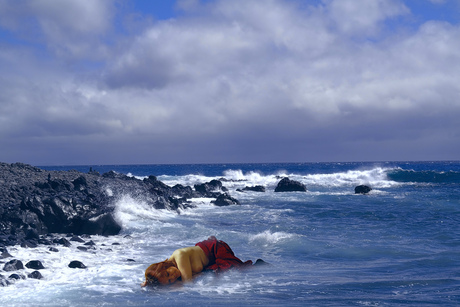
(36, 202)
(288, 185)
(362, 189)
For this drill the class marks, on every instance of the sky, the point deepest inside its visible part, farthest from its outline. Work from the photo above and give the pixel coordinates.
(229, 81)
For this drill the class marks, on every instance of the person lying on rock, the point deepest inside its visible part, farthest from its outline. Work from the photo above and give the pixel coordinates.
(184, 263)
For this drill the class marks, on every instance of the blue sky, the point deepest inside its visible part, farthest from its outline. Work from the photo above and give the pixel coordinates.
(219, 81)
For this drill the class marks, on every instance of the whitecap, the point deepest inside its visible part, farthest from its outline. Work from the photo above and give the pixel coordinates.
(129, 209)
(268, 237)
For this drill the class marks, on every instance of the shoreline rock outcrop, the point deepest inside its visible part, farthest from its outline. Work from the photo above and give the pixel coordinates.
(35, 202)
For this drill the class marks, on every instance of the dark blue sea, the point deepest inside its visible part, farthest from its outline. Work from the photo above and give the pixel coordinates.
(399, 245)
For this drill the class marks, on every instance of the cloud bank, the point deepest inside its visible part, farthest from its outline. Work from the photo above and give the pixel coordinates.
(86, 82)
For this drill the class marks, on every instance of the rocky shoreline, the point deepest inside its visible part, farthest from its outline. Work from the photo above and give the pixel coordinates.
(62, 209)
(36, 202)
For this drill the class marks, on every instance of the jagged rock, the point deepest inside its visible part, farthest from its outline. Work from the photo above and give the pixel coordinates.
(35, 275)
(13, 265)
(287, 185)
(225, 200)
(4, 253)
(32, 234)
(77, 265)
(257, 188)
(90, 243)
(35, 202)
(53, 249)
(35, 265)
(15, 276)
(80, 183)
(77, 239)
(362, 189)
(43, 241)
(29, 244)
(63, 241)
(210, 189)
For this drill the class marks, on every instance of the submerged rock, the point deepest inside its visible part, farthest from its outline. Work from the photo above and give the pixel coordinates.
(3, 281)
(257, 188)
(288, 185)
(15, 276)
(225, 200)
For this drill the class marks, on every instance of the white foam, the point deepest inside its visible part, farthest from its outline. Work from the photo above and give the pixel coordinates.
(129, 210)
(268, 237)
(375, 177)
(108, 271)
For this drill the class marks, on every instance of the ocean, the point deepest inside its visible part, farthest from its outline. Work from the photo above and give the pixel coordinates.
(399, 245)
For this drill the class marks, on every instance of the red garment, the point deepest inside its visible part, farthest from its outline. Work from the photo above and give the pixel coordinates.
(220, 255)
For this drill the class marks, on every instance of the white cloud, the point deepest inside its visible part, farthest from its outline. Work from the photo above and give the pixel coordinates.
(237, 74)
(71, 28)
(363, 17)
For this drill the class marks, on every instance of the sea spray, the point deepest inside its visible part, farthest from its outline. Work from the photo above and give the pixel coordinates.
(396, 246)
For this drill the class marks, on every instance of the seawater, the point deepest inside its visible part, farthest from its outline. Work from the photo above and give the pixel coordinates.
(398, 245)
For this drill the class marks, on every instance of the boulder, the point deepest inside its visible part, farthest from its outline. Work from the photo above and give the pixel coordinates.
(225, 200)
(35, 275)
(15, 276)
(90, 243)
(4, 253)
(13, 265)
(62, 241)
(212, 188)
(103, 224)
(362, 189)
(77, 265)
(77, 239)
(35, 265)
(287, 185)
(257, 188)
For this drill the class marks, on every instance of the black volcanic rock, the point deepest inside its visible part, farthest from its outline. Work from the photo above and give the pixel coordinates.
(13, 265)
(77, 265)
(36, 202)
(35, 265)
(212, 188)
(225, 200)
(257, 188)
(362, 189)
(4, 253)
(288, 185)
(35, 275)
